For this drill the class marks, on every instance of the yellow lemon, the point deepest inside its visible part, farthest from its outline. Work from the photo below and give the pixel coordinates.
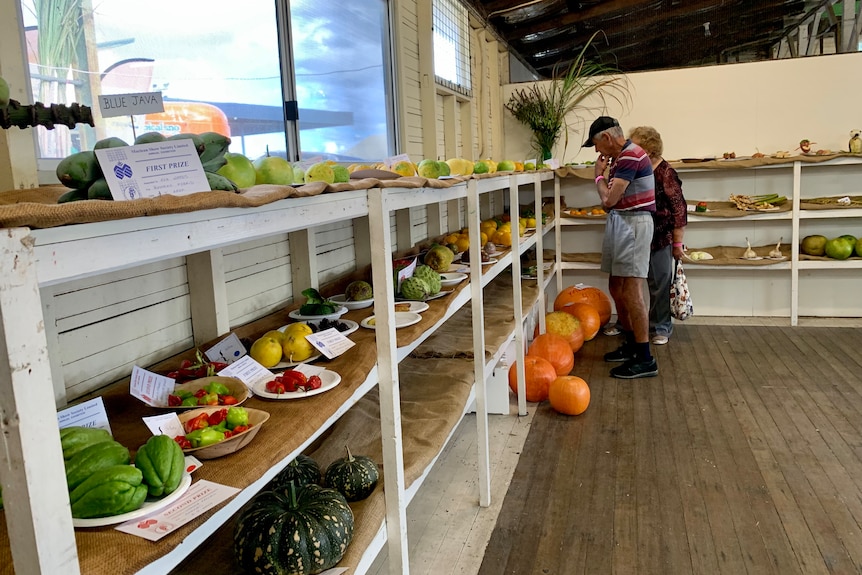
(483, 239)
(404, 169)
(275, 334)
(463, 244)
(266, 351)
(531, 222)
(450, 239)
(298, 328)
(296, 347)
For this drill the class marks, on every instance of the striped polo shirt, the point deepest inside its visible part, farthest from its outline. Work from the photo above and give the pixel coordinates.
(633, 165)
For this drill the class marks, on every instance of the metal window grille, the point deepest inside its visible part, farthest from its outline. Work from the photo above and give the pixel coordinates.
(451, 45)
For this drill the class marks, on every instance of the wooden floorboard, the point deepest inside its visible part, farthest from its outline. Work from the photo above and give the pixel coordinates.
(743, 456)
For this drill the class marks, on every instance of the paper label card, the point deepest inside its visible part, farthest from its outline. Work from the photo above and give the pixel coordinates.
(88, 414)
(248, 371)
(330, 342)
(200, 498)
(151, 388)
(553, 163)
(112, 105)
(227, 350)
(151, 170)
(166, 424)
(392, 160)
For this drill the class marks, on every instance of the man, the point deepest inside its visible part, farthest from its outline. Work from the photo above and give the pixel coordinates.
(628, 194)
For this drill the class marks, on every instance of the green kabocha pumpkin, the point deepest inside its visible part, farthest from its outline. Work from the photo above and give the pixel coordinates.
(300, 530)
(355, 477)
(161, 462)
(302, 471)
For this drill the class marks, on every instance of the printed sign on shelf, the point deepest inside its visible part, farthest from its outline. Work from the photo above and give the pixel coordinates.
(88, 414)
(151, 170)
(227, 350)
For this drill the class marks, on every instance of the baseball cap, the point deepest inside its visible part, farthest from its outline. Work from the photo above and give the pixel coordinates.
(599, 125)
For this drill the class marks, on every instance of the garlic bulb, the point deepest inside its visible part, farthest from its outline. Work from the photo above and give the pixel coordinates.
(776, 253)
(748, 254)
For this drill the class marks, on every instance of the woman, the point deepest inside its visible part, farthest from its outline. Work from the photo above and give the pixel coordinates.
(671, 216)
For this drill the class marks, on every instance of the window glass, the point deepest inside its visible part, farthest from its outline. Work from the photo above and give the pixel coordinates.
(218, 68)
(451, 45)
(340, 55)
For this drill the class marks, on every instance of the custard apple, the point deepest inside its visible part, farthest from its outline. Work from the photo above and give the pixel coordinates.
(431, 278)
(415, 288)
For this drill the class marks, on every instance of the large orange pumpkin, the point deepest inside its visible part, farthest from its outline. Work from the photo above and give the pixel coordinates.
(565, 325)
(556, 350)
(538, 375)
(588, 316)
(569, 395)
(580, 293)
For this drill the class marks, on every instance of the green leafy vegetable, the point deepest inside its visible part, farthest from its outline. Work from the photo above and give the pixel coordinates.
(315, 304)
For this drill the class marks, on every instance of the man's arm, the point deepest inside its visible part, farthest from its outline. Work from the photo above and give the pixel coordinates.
(611, 195)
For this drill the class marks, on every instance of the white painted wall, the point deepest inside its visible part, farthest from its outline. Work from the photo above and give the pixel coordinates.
(765, 106)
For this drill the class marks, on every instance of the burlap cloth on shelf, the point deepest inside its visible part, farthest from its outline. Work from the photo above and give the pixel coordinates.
(38, 208)
(714, 210)
(831, 203)
(588, 173)
(722, 256)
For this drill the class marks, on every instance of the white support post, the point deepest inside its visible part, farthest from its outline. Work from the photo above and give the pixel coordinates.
(403, 229)
(303, 260)
(36, 499)
(518, 312)
(453, 215)
(433, 221)
(479, 375)
(390, 397)
(558, 233)
(540, 249)
(794, 245)
(207, 295)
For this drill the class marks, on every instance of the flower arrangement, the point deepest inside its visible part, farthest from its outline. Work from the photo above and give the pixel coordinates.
(544, 107)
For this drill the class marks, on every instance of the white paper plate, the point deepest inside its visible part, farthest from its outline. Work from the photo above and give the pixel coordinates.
(452, 279)
(335, 315)
(752, 259)
(441, 293)
(149, 507)
(402, 319)
(415, 306)
(328, 380)
(340, 300)
(351, 325)
(286, 364)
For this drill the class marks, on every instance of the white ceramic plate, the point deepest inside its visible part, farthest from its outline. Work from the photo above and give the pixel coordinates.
(402, 319)
(351, 325)
(340, 300)
(328, 380)
(149, 507)
(335, 315)
(452, 279)
(415, 306)
(441, 293)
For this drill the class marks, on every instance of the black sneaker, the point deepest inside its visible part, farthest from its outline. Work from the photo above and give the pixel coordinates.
(634, 369)
(622, 353)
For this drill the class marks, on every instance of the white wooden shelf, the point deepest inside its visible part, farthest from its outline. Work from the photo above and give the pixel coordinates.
(830, 214)
(49, 257)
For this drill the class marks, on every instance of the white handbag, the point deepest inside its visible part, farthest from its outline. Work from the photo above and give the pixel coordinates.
(681, 306)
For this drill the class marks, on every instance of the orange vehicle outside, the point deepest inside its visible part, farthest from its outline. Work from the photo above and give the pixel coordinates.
(187, 117)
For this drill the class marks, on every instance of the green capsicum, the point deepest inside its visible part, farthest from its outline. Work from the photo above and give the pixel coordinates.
(236, 416)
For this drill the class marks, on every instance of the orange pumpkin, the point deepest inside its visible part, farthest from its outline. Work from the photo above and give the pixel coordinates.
(580, 293)
(569, 395)
(538, 375)
(588, 316)
(565, 325)
(556, 350)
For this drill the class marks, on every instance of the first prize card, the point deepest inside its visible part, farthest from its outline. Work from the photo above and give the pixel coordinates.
(151, 170)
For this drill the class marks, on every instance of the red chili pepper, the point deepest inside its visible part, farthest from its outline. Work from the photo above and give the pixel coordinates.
(294, 380)
(275, 386)
(183, 442)
(228, 433)
(313, 383)
(227, 400)
(200, 393)
(217, 417)
(239, 429)
(186, 363)
(199, 422)
(174, 400)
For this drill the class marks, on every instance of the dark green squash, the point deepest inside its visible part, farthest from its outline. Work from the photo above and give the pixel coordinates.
(300, 530)
(354, 476)
(302, 471)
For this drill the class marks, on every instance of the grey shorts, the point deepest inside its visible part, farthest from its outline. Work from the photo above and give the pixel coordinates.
(626, 245)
